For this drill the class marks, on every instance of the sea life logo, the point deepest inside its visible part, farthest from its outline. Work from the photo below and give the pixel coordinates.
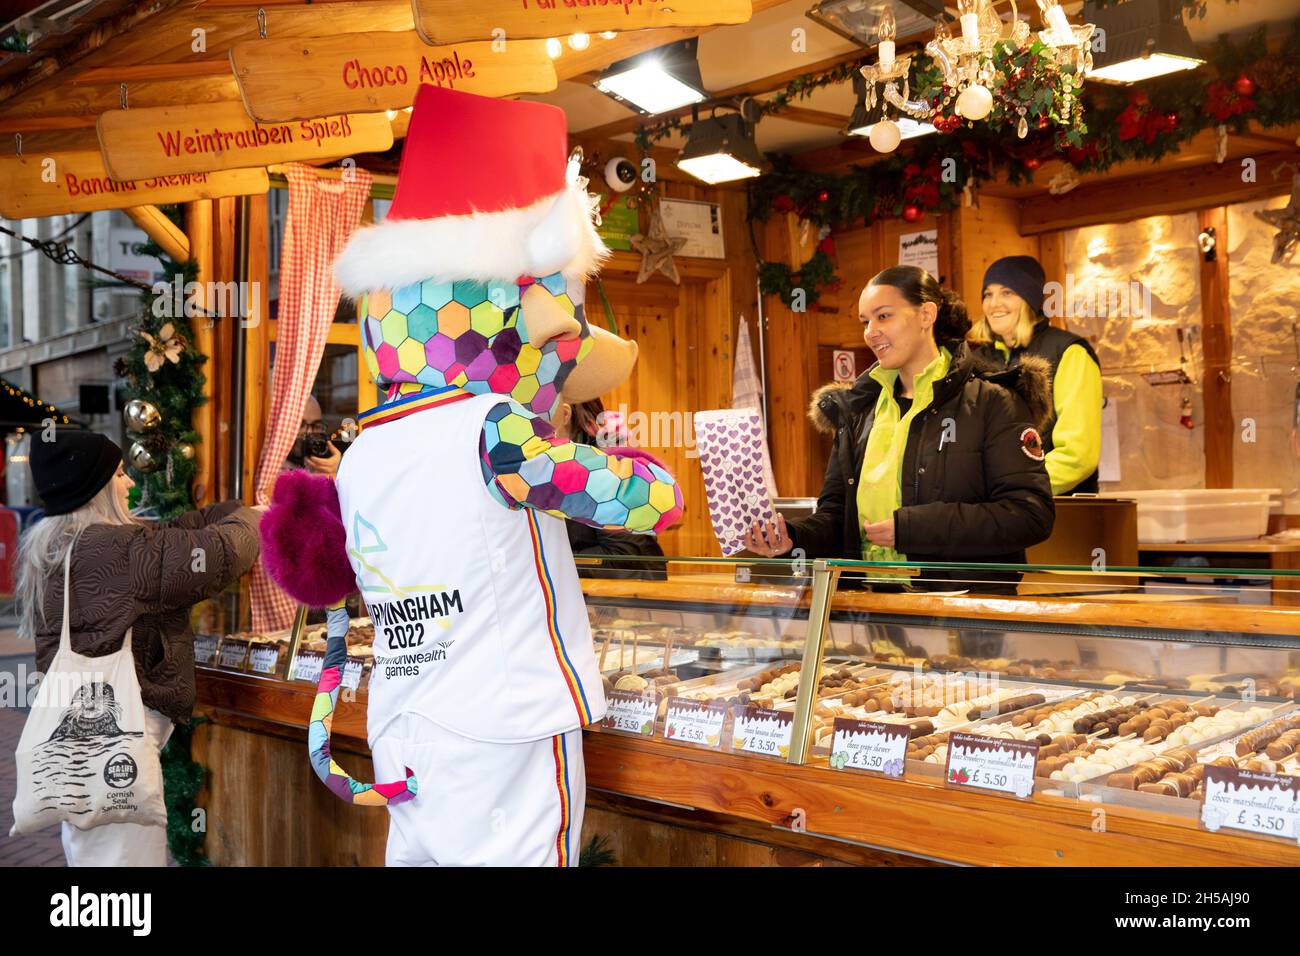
(120, 771)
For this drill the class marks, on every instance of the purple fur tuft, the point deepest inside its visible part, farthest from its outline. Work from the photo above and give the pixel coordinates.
(304, 542)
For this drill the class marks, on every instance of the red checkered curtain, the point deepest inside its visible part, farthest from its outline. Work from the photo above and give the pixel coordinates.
(322, 215)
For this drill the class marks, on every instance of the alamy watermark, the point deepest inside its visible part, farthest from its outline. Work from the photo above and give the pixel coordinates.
(1095, 298)
(209, 300)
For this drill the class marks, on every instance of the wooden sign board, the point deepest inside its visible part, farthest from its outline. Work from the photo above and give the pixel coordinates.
(188, 139)
(453, 21)
(57, 183)
(367, 72)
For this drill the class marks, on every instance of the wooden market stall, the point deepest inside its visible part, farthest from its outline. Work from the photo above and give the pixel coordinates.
(189, 116)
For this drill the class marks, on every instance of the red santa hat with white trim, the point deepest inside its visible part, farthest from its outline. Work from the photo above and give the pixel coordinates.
(485, 192)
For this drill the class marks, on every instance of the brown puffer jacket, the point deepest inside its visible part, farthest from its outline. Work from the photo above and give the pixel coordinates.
(144, 576)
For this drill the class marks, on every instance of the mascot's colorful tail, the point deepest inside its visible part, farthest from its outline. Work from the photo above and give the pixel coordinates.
(304, 551)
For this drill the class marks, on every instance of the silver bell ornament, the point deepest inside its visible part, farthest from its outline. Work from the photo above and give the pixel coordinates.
(141, 459)
(141, 417)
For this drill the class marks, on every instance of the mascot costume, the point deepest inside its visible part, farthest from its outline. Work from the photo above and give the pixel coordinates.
(448, 510)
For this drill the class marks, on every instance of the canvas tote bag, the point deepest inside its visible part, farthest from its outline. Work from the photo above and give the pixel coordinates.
(85, 755)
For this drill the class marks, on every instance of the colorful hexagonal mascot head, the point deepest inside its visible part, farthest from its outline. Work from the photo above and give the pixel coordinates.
(476, 276)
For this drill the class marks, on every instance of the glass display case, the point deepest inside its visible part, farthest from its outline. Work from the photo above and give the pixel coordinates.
(1137, 690)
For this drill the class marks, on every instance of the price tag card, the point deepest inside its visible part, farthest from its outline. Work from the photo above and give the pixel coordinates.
(629, 713)
(205, 649)
(234, 654)
(264, 658)
(695, 722)
(352, 668)
(1264, 803)
(308, 665)
(869, 745)
(762, 731)
(991, 763)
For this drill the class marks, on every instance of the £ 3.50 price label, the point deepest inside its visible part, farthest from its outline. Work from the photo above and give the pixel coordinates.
(991, 763)
(308, 665)
(1263, 803)
(629, 713)
(869, 745)
(695, 722)
(759, 730)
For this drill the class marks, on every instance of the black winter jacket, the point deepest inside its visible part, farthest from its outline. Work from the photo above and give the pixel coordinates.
(974, 485)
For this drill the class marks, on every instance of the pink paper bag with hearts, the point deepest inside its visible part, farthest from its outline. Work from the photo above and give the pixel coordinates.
(730, 445)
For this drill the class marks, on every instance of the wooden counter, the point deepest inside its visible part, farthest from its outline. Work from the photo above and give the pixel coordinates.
(674, 805)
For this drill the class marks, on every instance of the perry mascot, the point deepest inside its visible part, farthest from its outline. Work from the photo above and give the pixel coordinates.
(448, 511)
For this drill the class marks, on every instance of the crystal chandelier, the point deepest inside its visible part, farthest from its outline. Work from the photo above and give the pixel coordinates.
(966, 63)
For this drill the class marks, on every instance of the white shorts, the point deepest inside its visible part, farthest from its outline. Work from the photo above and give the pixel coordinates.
(122, 844)
(482, 804)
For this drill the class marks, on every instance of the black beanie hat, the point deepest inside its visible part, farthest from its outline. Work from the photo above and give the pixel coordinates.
(1022, 275)
(72, 469)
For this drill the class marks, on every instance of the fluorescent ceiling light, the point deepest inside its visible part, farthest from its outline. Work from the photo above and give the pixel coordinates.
(857, 20)
(656, 81)
(1142, 68)
(908, 128)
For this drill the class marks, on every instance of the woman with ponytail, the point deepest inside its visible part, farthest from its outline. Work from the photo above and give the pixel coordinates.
(937, 456)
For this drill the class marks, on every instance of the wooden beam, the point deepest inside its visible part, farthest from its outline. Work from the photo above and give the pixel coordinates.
(801, 114)
(151, 71)
(257, 342)
(1051, 253)
(225, 222)
(161, 230)
(1216, 342)
(1162, 193)
(198, 225)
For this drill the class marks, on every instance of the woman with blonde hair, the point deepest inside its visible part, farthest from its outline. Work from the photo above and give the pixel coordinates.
(124, 574)
(1013, 326)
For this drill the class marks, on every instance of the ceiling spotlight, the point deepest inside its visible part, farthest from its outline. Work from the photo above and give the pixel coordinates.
(580, 41)
(721, 149)
(553, 48)
(658, 80)
(1139, 39)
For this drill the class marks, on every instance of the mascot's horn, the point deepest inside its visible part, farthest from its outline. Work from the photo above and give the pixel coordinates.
(608, 365)
(555, 241)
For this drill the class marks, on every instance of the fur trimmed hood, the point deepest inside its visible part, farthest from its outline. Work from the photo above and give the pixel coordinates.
(1030, 378)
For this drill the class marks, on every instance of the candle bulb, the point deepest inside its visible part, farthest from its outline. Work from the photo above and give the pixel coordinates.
(969, 16)
(887, 30)
(1057, 22)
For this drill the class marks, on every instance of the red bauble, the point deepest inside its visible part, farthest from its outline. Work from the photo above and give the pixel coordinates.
(1244, 86)
(1171, 120)
(1032, 163)
(823, 196)
(913, 213)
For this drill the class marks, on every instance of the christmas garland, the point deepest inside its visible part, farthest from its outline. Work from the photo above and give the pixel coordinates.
(182, 781)
(164, 378)
(1240, 85)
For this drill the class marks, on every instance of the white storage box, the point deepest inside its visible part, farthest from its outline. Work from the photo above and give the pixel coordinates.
(1200, 514)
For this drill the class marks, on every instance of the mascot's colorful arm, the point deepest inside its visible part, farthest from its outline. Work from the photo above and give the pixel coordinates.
(304, 551)
(526, 465)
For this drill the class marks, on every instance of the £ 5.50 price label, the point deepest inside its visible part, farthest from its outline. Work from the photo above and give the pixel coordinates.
(869, 745)
(695, 722)
(629, 713)
(1263, 803)
(991, 763)
(762, 731)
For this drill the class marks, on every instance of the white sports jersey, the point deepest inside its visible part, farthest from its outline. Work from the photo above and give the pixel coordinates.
(480, 624)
